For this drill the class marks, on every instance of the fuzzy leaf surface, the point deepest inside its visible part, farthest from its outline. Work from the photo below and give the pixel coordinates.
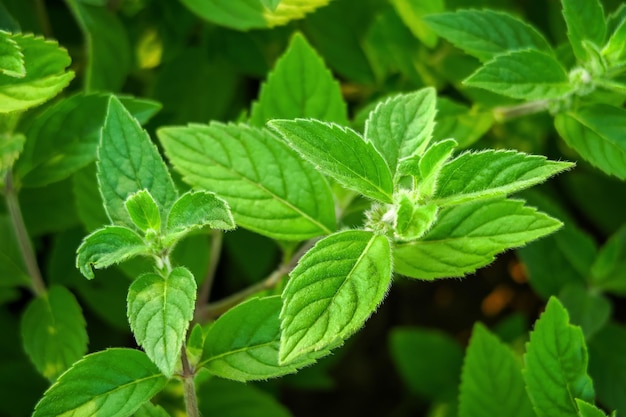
(486, 33)
(332, 291)
(252, 14)
(54, 332)
(492, 173)
(243, 344)
(159, 312)
(468, 236)
(596, 133)
(556, 364)
(491, 382)
(128, 162)
(300, 86)
(585, 22)
(113, 382)
(340, 153)
(143, 211)
(108, 246)
(45, 64)
(11, 57)
(402, 126)
(527, 74)
(268, 187)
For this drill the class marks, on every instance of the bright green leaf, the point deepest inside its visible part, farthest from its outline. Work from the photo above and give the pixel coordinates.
(412, 221)
(159, 312)
(608, 271)
(615, 48)
(586, 409)
(340, 153)
(332, 291)
(45, 64)
(527, 74)
(588, 309)
(492, 383)
(197, 209)
(585, 21)
(108, 246)
(556, 364)
(246, 165)
(195, 345)
(113, 382)
(150, 410)
(242, 344)
(300, 86)
(402, 126)
(252, 14)
(412, 13)
(492, 173)
(596, 133)
(54, 332)
(607, 365)
(468, 236)
(430, 166)
(129, 162)
(143, 211)
(10, 148)
(486, 33)
(271, 4)
(11, 57)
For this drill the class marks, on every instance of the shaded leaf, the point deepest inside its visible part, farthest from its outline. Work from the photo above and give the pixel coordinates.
(585, 22)
(586, 308)
(607, 271)
(412, 13)
(607, 365)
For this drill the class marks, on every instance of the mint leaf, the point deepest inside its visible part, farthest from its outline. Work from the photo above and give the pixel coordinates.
(455, 120)
(251, 14)
(414, 220)
(143, 211)
(595, 132)
(11, 57)
(129, 162)
(608, 270)
(54, 332)
(245, 165)
(556, 364)
(527, 74)
(491, 383)
(340, 153)
(585, 22)
(332, 291)
(615, 48)
(113, 382)
(607, 365)
(586, 409)
(430, 166)
(195, 345)
(492, 173)
(150, 410)
(486, 33)
(587, 308)
(45, 64)
(412, 13)
(159, 312)
(402, 126)
(251, 351)
(108, 246)
(12, 268)
(299, 86)
(468, 236)
(196, 209)
(10, 148)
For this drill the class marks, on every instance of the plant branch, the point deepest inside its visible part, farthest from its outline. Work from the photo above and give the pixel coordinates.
(23, 240)
(213, 310)
(217, 237)
(189, 386)
(503, 114)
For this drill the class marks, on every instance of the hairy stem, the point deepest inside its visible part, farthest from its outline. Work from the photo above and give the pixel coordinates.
(502, 114)
(23, 240)
(189, 386)
(217, 237)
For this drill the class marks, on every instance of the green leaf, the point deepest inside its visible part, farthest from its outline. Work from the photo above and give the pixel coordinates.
(429, 361)
(468, 236)
(251, 14)
(113, 382)
(108, 246)
(195, 345)
(608, 271)
(242, 344)
(556, 364)
(12, 268)
(129, 162)
(150, 410)
(45, 64)
(607, 365)
(11, 57)
(159, 312)
(527, 74)
(88, 199)
(614, 50)
(588, 309)
(402, 126)
(10, 148)
(413, 220)
(143, 211)
(430, 166)
(299, 86)
(412, 13)
(586, 409)
(107, 47)
(492, 383)
(332, 291)
(340, 153)
(492, 173)
(54, 332)
(246, 165)
(455, 120)
(585, 21)
(596, 133)
(486, 33)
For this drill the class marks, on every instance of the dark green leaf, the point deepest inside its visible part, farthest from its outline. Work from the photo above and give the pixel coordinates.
(12, 268)
(588, 309)
(607, 365)
(608, 271)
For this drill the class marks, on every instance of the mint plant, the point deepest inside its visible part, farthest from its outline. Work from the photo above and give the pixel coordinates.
(171, 248)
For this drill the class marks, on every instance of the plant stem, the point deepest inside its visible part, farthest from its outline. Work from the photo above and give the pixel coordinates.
(189, 386)
(502, 114)
(23, 240)
(217, 237)
(42, 16)
(213, 310)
